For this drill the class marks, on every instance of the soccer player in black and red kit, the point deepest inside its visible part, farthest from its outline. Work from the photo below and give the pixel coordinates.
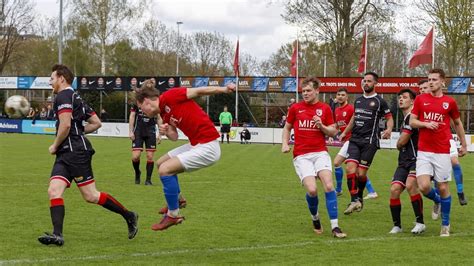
(365, 141)
(73, 157)
(142, 130)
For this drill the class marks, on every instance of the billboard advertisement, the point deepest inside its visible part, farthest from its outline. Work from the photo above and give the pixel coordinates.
(39, 127)
(10, 125)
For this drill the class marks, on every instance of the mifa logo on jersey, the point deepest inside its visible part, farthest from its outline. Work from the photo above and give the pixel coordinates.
(319, 112)
(445, 105)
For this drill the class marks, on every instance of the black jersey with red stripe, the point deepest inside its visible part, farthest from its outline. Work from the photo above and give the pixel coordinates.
(70, 101)
(143, 125)
(368, 110)
(408, 152)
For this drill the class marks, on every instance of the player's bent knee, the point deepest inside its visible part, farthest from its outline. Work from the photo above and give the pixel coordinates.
(54, 192)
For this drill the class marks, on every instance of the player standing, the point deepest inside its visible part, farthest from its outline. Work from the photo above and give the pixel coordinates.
(343, 114)
(405, 174)
(73, 157)
(453, 152)
(142, 130)
(311, 121)
(364, 143)
(179, 111)
(431, 114)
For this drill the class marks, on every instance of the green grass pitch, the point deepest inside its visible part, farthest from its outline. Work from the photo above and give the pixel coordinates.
(249, 208)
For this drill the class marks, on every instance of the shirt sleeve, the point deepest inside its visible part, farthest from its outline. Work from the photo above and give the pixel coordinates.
(64, 103)
(416, 107)
(329, 119)
(406, 126)
(176, 95)
(89, 111)
(386, 110)
(454, 110)
(290, 118)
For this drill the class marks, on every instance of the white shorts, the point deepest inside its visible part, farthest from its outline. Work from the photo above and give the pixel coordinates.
(311, 163)
(343, 151)
(197, 157)
(453, 149)
(437, 165)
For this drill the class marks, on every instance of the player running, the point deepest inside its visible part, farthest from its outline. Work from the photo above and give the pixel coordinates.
(364, 142)
(311, 121)
(73, 157)
(179, 111)
(343, 115)
(431, 114)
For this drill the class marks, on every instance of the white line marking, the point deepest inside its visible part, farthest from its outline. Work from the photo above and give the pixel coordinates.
(229, 249)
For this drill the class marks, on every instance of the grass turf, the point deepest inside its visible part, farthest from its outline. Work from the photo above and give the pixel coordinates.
(249, 208)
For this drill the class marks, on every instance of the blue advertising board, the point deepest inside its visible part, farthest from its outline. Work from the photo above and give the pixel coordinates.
(10, 125)
(39, 127)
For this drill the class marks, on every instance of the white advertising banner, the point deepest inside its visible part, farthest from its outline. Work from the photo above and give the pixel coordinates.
(258, 135)
(8, 82)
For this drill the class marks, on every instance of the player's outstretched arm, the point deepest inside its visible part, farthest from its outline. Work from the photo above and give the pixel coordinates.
(93, 123)
(192, 93)
(416, 123)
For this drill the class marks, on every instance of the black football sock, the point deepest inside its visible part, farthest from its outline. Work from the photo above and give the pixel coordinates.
(396, 209)
(417, 204)
(362, 181)
(149, 169)
(111, 204)
(136, 167)
(57, 212)
(352, 186)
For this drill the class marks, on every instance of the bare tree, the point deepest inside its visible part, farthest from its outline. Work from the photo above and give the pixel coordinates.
(454, 24)
(210, 53)
(337, 22)
(16, 18)
(108, 20)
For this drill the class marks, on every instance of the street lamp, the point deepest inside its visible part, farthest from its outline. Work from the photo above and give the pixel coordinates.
(177, 47)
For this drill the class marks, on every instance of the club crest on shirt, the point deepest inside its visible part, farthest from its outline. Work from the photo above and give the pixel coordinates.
(372, 104)
(167, 109)
(319, 112)
(445, 105)
(344, 113)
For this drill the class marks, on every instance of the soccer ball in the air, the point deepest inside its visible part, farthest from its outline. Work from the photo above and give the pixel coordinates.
(17, 106)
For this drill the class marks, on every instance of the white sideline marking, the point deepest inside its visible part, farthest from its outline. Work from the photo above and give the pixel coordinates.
(217, 250)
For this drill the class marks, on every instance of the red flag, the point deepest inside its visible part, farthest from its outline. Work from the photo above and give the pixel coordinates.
(236, 60)
(294, 56)
(363, 55)
(424, 54)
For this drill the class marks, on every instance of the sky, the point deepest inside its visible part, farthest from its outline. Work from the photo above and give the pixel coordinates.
(257, 23)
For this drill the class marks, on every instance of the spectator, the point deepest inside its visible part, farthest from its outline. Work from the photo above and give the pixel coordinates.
(50, 113)
(104, 116)
(245, 135)
(43, 114)
(282, 121)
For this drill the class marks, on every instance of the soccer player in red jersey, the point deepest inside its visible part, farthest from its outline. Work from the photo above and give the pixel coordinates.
(343, 115)
(312, 120)
(453, 152)
(179, 111)
(431, 114)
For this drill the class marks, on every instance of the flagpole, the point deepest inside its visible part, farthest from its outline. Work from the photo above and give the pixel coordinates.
(433, 44)
(297, 62)
(237, 73)
(365, 52)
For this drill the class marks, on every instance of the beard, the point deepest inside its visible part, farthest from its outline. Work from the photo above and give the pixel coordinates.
(368, 89)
